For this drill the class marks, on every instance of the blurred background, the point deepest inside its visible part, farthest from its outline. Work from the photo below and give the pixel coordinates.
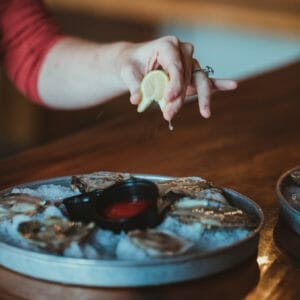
(238, 38)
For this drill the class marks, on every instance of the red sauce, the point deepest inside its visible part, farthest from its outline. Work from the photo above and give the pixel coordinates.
(125, 209)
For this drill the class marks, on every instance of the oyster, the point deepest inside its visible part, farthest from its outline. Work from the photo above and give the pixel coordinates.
(189, 186)
(159, 243)
(54, 234)
(187, 202)
(210, 197)
(296, 176)
(97, 180)
(225, 216)
(189, 199)
(14, 204)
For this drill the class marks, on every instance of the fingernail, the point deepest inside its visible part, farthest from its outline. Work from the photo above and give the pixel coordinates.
(135, 98)
(207, 116)
(167, 117)
(205, 112)
(234, 84)
(168, 113)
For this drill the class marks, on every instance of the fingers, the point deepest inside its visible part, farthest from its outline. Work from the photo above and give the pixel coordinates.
(191, 91)
(132, 77)
(152, 63)
(187, 51)
(224, 84)
(204, 88)
(218, 85)
(176, 58)
(172, 109)
(169, 58)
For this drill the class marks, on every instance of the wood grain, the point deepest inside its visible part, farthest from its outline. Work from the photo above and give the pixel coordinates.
(251, 139)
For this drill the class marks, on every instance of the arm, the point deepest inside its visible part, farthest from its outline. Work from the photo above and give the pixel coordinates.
(27, 35)
(78, 73)
(70, 73)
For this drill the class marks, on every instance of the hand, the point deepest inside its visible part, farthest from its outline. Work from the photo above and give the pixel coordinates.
(176, 58)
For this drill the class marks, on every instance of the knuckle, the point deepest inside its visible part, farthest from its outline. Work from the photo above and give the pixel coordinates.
(172, 39)
(196, 63)
(190, 48)
(177, 87)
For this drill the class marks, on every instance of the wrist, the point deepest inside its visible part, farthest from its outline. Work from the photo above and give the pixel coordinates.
(122, 57)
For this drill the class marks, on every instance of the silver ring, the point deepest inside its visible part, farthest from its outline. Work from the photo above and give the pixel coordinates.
(207, 70)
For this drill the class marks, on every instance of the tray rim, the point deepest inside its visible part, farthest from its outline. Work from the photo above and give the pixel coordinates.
(113, 263)
(281, 198)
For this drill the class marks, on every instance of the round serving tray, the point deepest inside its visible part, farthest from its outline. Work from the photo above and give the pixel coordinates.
(115, 273)
(286, 190)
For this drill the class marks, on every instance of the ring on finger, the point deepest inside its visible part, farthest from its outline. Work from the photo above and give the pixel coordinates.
(207, 70)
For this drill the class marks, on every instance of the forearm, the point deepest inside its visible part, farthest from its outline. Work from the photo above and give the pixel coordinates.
(68, 73)
(77, 73)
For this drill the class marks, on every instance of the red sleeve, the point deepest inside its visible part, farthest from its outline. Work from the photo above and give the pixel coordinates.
(27, 35)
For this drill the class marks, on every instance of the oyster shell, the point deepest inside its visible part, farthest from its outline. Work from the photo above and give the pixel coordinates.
(210, 197)
(296, 176)
(14, 204)
(195, 202)
(97, 180)
(225, 217)
(54, 234)
(159, 243)
(189, 186)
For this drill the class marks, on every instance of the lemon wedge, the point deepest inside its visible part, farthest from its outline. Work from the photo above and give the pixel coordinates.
(152, 88)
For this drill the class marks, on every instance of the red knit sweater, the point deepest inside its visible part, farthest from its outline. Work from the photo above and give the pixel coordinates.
(27, 34)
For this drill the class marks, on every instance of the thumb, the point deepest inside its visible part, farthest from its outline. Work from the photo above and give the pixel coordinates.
(132, 77)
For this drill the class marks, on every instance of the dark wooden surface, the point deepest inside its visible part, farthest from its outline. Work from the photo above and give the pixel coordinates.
(251, 139)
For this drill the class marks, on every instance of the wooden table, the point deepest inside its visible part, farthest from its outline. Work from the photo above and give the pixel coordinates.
(251, 139)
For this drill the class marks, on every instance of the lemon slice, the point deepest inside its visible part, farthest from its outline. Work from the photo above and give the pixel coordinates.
(152, 88)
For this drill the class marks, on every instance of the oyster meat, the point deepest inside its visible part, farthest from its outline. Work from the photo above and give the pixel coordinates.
(214, 217)
(14, 204)
(159, 243)
(189, 186)
(97, 180)
(53, 233)
(210, 197)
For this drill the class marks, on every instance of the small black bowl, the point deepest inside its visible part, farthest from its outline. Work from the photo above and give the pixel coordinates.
(82, 207)
(93, 206)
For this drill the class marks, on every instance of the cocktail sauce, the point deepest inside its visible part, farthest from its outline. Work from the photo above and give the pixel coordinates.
(125, 209)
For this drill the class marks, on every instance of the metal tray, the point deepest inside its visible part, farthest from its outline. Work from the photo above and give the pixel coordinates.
(286, 190)
(113, 273)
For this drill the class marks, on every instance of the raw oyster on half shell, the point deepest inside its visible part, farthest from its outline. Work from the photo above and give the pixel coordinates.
(53, 233)
(159, 243)
(17, 203)
(97, 180)
(213, 217)
(189, 186)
